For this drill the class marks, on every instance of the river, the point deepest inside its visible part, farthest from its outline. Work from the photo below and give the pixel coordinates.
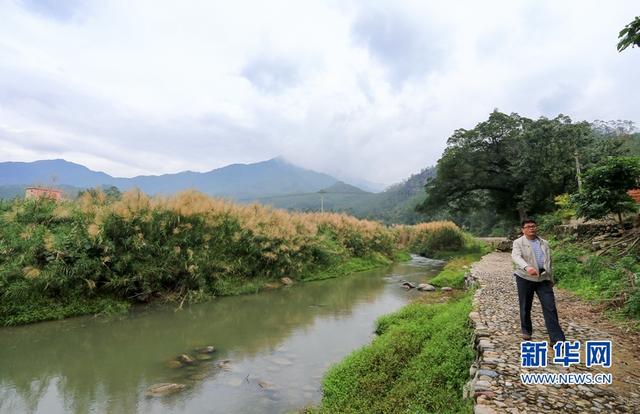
(272, 349)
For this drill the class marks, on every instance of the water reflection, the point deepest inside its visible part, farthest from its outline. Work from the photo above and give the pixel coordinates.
(278, 342)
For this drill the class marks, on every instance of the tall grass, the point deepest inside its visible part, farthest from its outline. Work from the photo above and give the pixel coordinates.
(431, 239)
(72, 255)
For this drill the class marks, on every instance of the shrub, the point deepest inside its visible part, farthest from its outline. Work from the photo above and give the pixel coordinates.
(429, 239)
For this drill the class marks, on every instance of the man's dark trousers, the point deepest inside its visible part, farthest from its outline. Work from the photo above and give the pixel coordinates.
(526, 290)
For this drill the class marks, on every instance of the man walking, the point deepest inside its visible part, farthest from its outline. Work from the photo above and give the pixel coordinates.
(534, 274)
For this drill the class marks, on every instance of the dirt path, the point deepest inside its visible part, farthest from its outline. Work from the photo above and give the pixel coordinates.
(497, 386)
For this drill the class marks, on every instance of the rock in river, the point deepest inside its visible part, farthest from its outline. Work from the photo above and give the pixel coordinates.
(224, 365)
(207, 350)
(186, 359)
(425, 287)
(160, 390)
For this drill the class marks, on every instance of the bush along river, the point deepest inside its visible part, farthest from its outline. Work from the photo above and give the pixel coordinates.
(261, 353)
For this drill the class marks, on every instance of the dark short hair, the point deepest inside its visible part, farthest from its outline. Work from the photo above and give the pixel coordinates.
(527, 221)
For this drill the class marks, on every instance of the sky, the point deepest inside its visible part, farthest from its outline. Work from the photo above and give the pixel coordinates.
(357, 89)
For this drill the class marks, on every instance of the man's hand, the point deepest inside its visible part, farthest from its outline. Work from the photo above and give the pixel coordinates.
(532, 271)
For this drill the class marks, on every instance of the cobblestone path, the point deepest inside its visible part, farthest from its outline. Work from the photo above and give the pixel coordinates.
(496, 384)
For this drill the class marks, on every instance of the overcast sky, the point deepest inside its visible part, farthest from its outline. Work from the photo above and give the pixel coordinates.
(356, 89)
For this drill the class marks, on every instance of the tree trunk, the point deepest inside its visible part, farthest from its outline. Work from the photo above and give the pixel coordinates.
(578, 172)
(621, 222)
(523, 214)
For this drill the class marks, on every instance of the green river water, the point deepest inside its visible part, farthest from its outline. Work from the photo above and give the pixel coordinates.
(272, 349)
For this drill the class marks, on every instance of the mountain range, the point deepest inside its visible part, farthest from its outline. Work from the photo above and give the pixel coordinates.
(238, 181)
(275, 182)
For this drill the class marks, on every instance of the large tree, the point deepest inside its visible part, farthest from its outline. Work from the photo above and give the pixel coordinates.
(511, 165)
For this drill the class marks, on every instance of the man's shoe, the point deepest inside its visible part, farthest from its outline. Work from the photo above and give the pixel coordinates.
(526, 336)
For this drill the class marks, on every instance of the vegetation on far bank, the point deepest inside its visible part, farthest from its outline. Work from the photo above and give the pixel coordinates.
(454, 271)
(418, 363)
(102, 253)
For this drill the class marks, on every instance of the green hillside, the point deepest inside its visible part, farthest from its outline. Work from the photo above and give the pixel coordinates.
(394, 205)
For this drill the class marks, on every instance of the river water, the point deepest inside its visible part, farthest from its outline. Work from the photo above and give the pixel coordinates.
(272, 349)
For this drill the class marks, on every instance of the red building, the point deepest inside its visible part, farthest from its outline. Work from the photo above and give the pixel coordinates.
(41, 192)
(635, 194)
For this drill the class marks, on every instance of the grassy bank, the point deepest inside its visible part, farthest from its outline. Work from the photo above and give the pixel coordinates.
(101, 255)
(418, 363)
(459, 262)
(611, 280)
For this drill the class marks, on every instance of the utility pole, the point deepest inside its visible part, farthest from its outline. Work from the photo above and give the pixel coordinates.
(322, 193)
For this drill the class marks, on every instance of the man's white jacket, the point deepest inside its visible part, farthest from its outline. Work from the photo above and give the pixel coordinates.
(523, 257)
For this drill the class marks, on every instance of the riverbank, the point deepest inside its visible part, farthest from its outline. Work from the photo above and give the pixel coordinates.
(418, 363)
(100, 256)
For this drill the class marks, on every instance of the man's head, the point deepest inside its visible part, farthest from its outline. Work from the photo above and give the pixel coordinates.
(529, 228)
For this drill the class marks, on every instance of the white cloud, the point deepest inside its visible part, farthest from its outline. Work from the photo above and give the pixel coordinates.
(355, 89)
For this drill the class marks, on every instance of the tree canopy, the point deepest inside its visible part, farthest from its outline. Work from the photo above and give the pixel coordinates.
(605, 189)
(512, 166)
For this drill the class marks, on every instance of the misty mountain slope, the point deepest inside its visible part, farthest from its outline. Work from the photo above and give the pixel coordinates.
(394, 205)
(51, 172)
(239, 181)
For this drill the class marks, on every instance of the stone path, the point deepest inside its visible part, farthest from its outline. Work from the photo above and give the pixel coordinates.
(496, 385)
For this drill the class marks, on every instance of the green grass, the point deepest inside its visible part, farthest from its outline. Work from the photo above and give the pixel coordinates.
(42, 309)
(401, 256)
(599, 278)
(418, 364)
(453, 273)
(351, 265)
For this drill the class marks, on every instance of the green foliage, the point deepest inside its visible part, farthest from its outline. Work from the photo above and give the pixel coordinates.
(605, 188)
(434, 238)
(454, 271)
(510, 167)
(598, 278)
(83, 256)
(444, 239)
(566, 208)
(418, 364)
(630, 35)
(395, 205)
(354, 264)
(631, 144)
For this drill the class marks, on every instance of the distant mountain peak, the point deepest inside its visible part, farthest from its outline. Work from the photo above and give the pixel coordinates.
(279, 160)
